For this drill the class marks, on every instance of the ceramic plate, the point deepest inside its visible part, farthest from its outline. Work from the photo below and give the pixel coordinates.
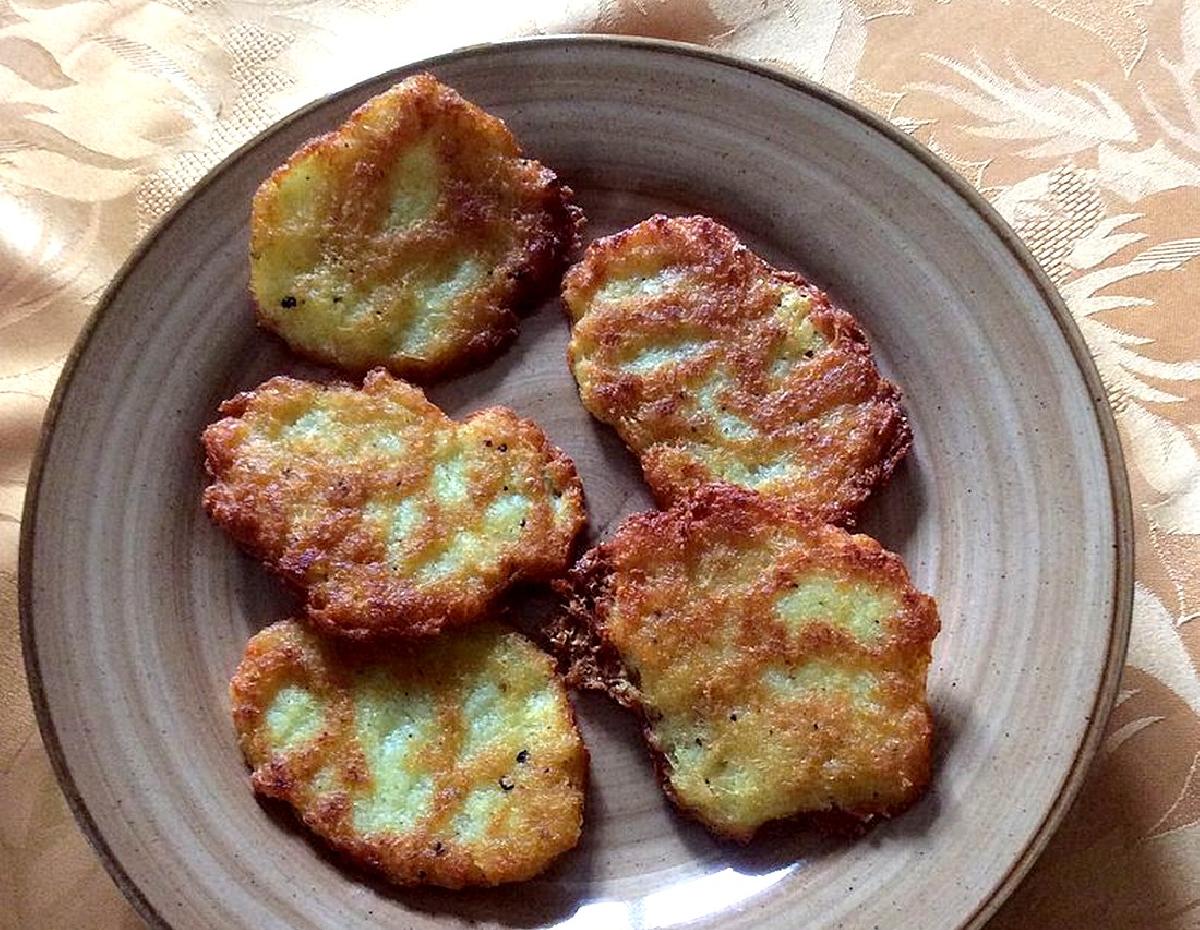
(1012, 509)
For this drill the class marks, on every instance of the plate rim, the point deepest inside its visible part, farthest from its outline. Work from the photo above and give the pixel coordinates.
(1120, 620)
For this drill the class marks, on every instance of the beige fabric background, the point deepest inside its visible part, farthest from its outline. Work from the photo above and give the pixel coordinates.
(1079, 119)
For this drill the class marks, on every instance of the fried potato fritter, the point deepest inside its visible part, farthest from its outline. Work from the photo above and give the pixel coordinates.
(715, 367)
(393, 518)
(407, 237)
(778, 663)
(451, 761)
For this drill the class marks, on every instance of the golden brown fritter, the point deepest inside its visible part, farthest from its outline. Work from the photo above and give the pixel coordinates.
(450, 761)
(715, 367)
(778, 663)
(407, 237)
(393, 518)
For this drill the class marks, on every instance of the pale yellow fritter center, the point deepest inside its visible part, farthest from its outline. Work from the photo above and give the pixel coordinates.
(459, 499)
(388, 514)
(773, 683)
(715, 367)
(708, 421)
(405, 237)
(321, 292)
(461, 749)
(293, 718)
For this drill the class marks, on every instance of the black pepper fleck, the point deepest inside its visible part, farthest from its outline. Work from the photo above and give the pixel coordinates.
(523, 756)
(506, 783)
(288, 302)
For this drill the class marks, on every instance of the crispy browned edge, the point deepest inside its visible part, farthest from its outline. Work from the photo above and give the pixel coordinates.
(426, 619)
(838, 325)
(590, 661)
(273, 783)
(545, 260)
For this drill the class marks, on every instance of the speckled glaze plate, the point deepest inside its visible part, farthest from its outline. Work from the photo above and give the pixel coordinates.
(1013, 510)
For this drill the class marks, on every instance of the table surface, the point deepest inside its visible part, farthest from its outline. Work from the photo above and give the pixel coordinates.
(1078, 119)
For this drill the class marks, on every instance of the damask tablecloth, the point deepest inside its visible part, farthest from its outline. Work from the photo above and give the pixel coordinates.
(1078, 119)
